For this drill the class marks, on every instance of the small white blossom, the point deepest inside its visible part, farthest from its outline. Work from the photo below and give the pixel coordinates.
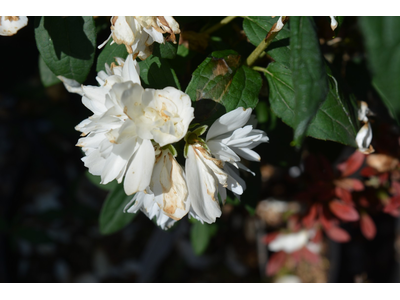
(229, 138)
(291, 242)
(364, 135)
(10, 25)
(334, 23)
(364, 138)
(139, 33)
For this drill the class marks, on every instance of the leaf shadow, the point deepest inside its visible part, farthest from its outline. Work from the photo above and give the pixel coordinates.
(68, 36)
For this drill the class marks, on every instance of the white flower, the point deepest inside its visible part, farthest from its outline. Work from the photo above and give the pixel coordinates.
(228, 140)
(364, 135)
(291, 242)
(10, 25)
(363, 112)
(278, 25)
(167, 191)
(334, 23)
(364, 138)
(117, 137)
(139, 33)
(205, 179)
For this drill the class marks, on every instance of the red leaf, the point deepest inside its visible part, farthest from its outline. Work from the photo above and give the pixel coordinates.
(396, 187)
(268, 238)
(383, 178)
(275, 263)
(367, 226)
(317, 237)
(368, 172)
(310, 256)
(343, 211)
(325, 222)
(350, 184)
(310, 218)
(338, 235)
(343, 194)
(352, 164)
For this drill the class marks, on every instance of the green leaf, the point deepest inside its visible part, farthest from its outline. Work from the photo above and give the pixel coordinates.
(112, 216)
(382, 41)
(310, 82)
(223, 79)
(200, 235)
(46, 75)
(166, 50)
(157, 73)
(67, 45)
(96, 181)
(109, 53)
(335, 120)
(257, 28)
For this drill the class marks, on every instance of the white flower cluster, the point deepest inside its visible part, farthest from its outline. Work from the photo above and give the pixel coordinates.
(129, 138)
(139, 33)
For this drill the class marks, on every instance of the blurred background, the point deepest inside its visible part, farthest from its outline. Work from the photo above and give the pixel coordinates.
(49, 207)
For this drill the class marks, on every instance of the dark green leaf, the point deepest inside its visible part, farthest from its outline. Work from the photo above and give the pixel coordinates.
(109, 53)
(223, 79)
(257, 28)
(46, 75)
(167, 50)
(335, 120)
(112, 216)
(156, 73)
(67, 45)
(310, 82)
(200, 235)
(96, 181)
(382, 40)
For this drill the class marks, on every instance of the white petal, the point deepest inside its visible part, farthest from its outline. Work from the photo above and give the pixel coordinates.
(247, 154)
(364, 138)
(228, 122)
(118, 160)
(202, 186)
(290, 242)
(10, 25)
(131, 70)
(138, 174)
(71, 85)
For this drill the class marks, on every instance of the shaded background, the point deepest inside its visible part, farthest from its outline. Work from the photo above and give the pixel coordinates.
(49, 208)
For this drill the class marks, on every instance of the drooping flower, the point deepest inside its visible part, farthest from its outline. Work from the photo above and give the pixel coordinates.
(334, 23)
(364, 135)
(229, 138)
(118, 137)
(364, 138)
(205, 179)
(139, 33)
(167, 191)
(10, 25)
(212, 165)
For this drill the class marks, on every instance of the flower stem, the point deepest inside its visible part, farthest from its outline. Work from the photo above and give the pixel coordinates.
(264, 44)
(217, 26)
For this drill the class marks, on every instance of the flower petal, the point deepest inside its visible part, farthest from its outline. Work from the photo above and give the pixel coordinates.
(138, 174)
